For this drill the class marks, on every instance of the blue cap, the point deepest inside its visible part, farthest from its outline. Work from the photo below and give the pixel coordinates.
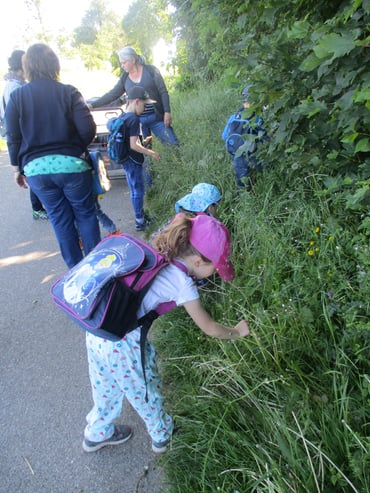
(245, 93)
(201, 197)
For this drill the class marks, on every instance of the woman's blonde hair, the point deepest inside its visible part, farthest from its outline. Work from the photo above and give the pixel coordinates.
(40, 62)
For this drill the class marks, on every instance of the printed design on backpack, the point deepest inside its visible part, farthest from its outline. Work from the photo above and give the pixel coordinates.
(81, 287)
(117, 146)
(101, 182)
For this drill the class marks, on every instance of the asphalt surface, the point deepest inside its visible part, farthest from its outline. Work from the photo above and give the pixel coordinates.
(44, 385)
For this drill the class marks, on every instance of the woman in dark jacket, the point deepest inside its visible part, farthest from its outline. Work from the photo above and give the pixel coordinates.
(156, 117)
(49, 127)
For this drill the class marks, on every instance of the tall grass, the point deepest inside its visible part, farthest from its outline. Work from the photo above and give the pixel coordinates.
(286, 409)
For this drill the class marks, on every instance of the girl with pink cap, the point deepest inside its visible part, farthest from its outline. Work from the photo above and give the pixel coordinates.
(202, 245)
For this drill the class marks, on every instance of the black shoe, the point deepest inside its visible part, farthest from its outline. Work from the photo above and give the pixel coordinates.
(142, 226)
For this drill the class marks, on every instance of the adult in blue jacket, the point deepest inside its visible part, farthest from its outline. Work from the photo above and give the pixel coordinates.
(49, 127)
(157, 116)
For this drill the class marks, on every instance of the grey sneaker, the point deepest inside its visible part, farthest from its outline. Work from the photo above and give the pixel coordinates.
(41, 214)
(160, 447)
(121, 434)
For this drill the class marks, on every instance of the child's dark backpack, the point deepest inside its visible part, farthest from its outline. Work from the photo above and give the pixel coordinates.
(118, 146)
(103, 292)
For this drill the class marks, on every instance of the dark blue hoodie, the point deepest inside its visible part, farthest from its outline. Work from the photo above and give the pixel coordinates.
(47, 117)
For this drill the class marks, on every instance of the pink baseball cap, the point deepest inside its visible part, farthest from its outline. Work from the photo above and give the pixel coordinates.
(211, 238)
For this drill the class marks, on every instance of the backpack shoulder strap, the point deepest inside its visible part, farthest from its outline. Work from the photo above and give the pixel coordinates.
(115, 123)
(147, 320)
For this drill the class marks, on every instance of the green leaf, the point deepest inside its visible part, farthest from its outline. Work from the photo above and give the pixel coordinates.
(332, 183)
(299, 30)
(334, 45)
(293, 148)
(353, 201)
(310, 63)
(346, 101)
(362, 95)
(311, 108)
(365, 225)
(349, 139)
(363, 146)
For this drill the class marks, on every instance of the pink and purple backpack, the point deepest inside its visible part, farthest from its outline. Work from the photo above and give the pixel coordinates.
(103, 292)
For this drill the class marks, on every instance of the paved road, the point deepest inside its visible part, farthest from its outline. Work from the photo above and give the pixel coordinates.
(44, 385)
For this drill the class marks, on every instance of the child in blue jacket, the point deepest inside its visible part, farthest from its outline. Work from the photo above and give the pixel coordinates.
(241, 134)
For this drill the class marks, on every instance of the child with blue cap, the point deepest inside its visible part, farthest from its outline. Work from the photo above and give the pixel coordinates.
(204, 198)
(202, 201)
(243, 132)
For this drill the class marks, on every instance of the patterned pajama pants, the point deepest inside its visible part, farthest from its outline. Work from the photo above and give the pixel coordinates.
(115, 372)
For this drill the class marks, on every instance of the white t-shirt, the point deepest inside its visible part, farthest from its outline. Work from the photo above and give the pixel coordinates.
(170, 284)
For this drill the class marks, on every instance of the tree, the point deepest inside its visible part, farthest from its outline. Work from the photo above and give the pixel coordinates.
(146, 22)
(99, 36)
(37, 28)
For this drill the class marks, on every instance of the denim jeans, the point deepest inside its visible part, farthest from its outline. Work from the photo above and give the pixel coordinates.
(242, 165)
(165, 134)
(69, 202)
(135, 182)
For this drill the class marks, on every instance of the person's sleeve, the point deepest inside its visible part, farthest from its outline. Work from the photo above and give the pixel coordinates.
(82, 119)
(162, 89)
(115, 93)
(13, 133)
(186, 292)
(133, 126)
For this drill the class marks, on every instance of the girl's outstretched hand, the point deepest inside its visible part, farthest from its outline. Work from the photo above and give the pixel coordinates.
(243, 328)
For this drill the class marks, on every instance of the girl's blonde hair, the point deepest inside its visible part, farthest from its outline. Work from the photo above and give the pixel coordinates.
(173, 240)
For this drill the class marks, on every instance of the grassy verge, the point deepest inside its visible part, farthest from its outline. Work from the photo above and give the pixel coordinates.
(285, 410)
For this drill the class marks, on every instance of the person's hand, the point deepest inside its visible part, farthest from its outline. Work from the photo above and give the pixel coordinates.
(243, 328)
(147, 142)
(155, 155)
(167, 120)
(20, 179)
